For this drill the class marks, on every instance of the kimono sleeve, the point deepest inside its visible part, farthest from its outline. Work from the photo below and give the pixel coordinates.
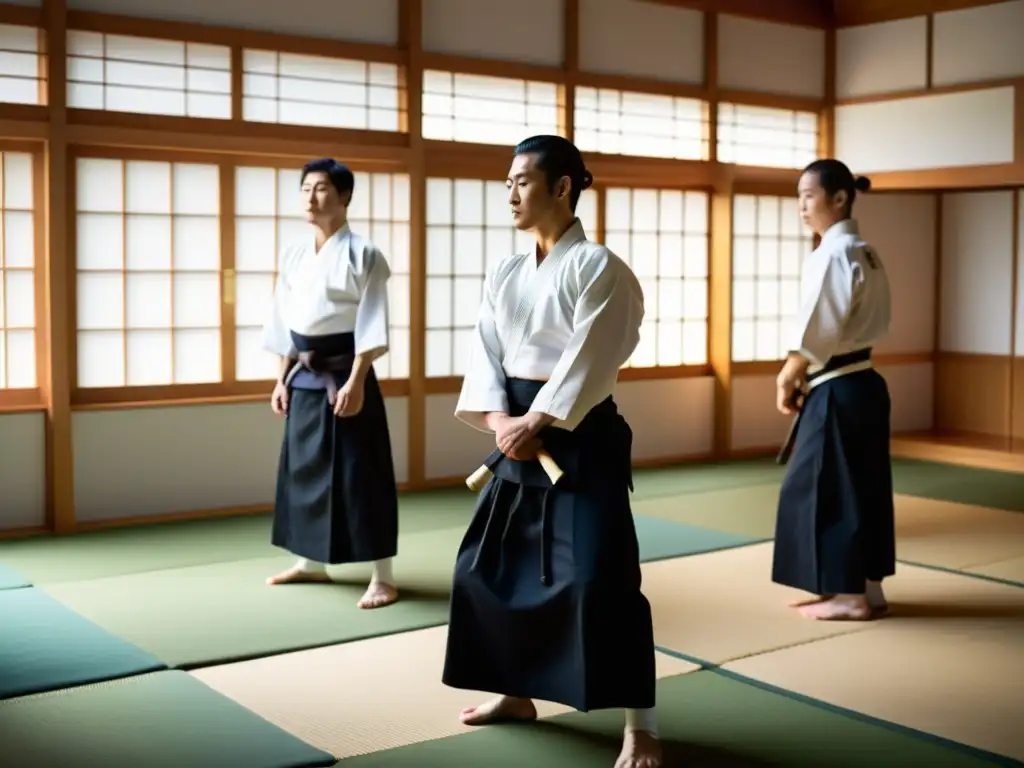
(483, 386)
(372, 321)
(277, 337)
(606, 331)
(818, 329)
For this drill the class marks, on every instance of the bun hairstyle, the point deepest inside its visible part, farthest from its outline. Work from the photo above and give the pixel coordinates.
(834, 177)
(558, 157)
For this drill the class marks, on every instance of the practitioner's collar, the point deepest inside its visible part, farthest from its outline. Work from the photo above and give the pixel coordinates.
(572, 235)
(843, 228)
(336, 239)
(343, 231)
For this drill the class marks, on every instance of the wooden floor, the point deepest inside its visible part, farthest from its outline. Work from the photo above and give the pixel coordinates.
(966, 449)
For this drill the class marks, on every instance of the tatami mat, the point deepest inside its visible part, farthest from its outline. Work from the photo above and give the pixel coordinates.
(957, 536)
(44, 646)
(232, 614)
(948, 661)
(365, 696)
(162, 720)
(11, 579)
(723, 605)
(742, 511)
(1010, 570)
(706, 719)
(139, 549)
(952, 482)
(928, 531)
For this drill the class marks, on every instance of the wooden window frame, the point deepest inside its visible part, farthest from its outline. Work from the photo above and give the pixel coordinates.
(228, 390)
(33, 398)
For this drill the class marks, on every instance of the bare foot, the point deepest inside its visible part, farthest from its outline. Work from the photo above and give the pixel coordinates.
(377, 595)
(810, 600)
(839, 608)
(501, 709)
(639, 750)
(299, 576)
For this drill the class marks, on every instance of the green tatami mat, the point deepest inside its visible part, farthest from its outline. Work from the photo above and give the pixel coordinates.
(100, 554)
(223, 612)
(233, 615)
(706, 719)
(661, 539)
(696, 477)
(966, 485)
(45, 646)
(163, 720)
(948, 482)
(747, 511)
(10, 579)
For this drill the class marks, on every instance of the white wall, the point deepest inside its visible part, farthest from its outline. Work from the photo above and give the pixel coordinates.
(529, 31)
(354, 20)
(967, 128)
(624, 37)
(977, 44)
(22, 470)
(874, 59)
(157, 461)
(937, 131)
(977, 270)
(968, 46)
(797, 56)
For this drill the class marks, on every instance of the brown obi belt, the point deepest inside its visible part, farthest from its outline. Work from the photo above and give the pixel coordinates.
(325, 367)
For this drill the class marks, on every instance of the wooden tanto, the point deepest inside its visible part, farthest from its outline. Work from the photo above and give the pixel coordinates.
(480, 478)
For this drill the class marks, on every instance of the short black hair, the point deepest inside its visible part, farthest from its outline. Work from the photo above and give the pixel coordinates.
(834, 177)
(339, 175)
(558, 157)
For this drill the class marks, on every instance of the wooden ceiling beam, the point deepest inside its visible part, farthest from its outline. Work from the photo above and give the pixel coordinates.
(807, 13)
(854, 13)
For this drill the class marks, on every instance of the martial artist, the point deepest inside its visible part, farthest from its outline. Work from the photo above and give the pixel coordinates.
(546, 599)
(835, 531)
(337, 500)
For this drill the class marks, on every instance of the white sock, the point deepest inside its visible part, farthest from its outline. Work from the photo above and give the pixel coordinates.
(310, 566)
(642, 720)
(875, 595)
(382, 572)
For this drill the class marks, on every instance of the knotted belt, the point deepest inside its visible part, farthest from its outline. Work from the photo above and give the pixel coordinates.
(324, 366)
(842, 365)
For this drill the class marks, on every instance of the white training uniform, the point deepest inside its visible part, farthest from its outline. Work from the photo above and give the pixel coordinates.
(340, 289)
(571, 321)
(845, 301)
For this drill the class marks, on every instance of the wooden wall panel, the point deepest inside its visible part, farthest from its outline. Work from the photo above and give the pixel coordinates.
(972, 393)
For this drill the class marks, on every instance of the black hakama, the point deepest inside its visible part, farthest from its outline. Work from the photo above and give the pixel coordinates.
(835, 527)
(337, 501)
(546, 599)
